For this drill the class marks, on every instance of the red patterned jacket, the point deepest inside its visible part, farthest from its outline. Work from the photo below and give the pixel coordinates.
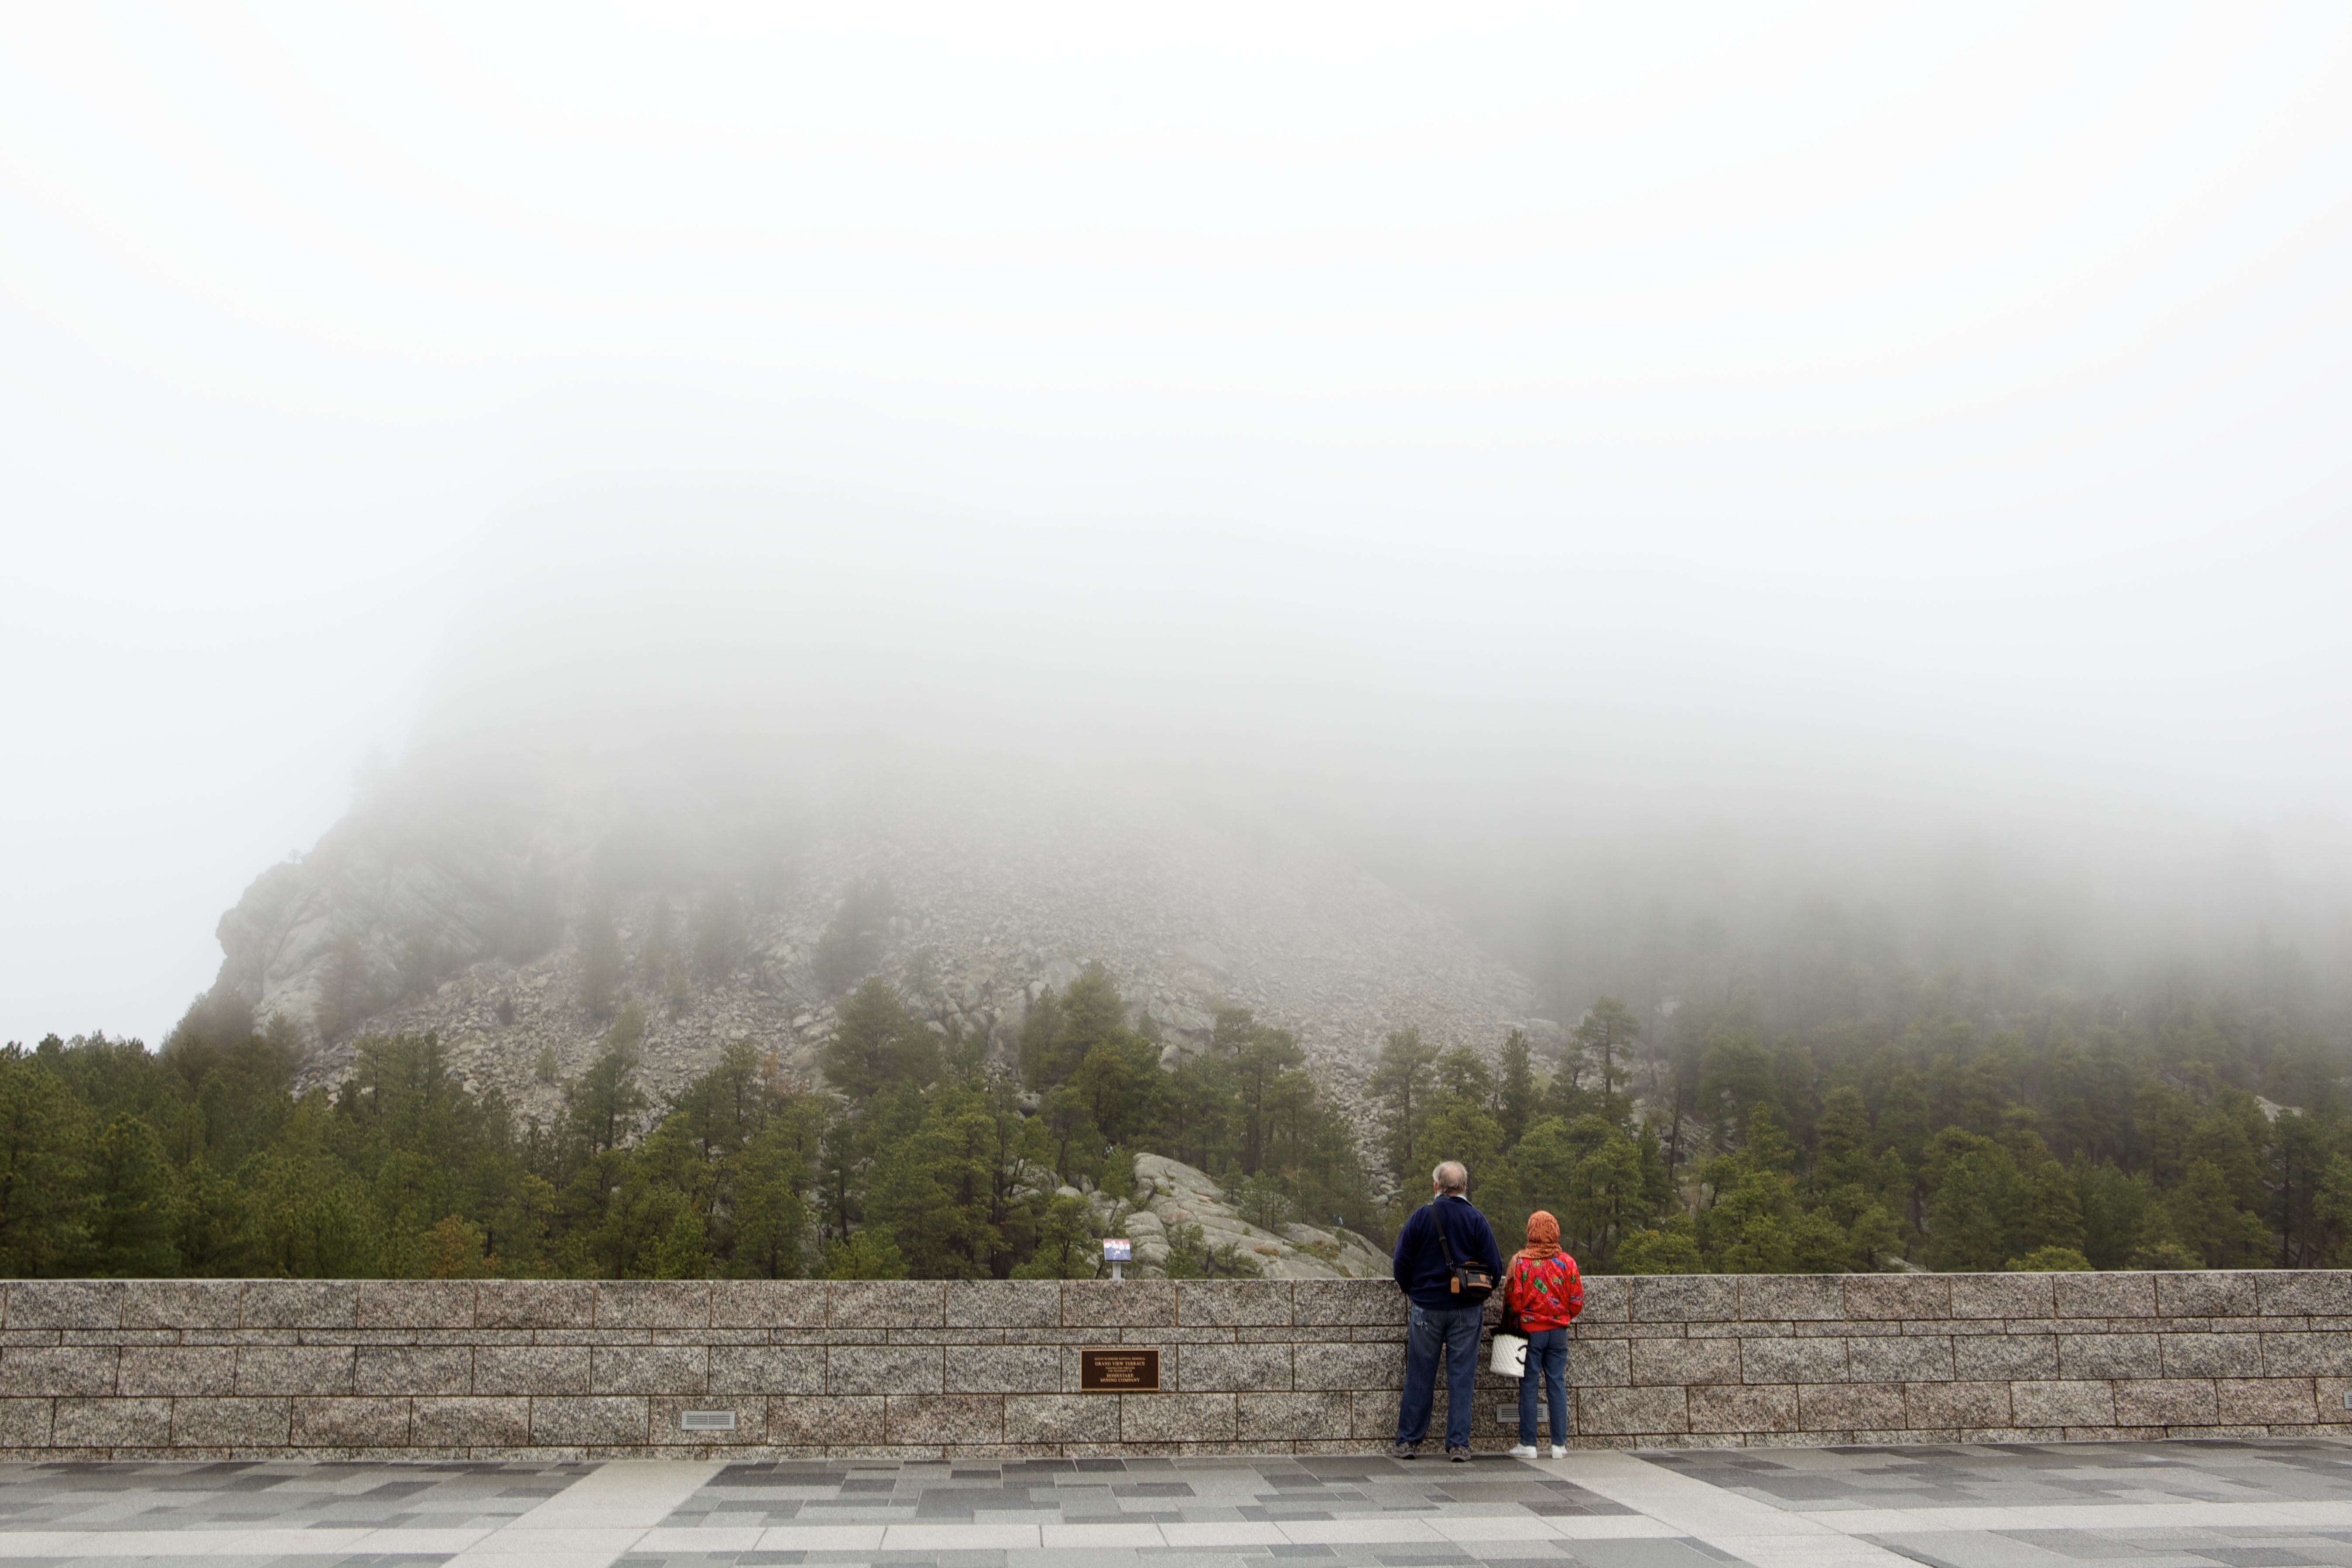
(1546, 1295)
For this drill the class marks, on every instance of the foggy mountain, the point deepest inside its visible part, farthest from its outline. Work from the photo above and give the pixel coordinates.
(463, 907)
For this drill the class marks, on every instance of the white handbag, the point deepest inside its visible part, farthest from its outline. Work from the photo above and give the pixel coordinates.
(1510, 1357)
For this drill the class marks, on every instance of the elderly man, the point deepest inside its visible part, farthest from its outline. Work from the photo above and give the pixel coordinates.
(1446, 1232)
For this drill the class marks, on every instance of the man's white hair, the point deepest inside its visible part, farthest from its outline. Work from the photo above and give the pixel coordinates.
(1451, 1176)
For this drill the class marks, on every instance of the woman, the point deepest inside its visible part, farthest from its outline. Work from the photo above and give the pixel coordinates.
(1543, 1287)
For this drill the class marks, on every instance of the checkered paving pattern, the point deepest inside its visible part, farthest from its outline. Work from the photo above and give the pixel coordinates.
(282, 1495)
(2282, 1503)
(2023, 1475)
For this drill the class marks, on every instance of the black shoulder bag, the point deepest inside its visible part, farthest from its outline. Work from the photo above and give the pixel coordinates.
(1472, 1283)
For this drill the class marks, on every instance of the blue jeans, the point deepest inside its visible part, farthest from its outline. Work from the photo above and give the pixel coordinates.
(1454, 1330)
(1547, 1354)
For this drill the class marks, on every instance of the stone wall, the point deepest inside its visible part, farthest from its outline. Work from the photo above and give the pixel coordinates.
(101, 1369)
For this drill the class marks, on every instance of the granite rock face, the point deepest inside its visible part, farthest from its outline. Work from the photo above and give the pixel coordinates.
(1172, 1194)
(457, 909)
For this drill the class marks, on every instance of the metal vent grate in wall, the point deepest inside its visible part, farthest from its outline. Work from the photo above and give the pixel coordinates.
(706, 1420)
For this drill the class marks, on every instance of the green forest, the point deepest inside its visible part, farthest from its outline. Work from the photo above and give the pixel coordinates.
(1763, 1122)
(915, 1160)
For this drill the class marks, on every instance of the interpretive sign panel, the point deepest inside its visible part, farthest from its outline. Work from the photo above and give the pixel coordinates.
(1121, 1371)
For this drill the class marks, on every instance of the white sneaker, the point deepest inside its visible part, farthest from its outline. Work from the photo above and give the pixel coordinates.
(1524, 1451)
(1557, 1452)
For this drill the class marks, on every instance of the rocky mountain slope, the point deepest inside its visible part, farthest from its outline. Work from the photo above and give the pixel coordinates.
(462, 912)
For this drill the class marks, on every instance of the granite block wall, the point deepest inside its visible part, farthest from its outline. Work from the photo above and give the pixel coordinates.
(122, 1369)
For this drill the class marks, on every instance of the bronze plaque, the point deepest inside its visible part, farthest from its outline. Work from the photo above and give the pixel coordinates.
(1121, 1371)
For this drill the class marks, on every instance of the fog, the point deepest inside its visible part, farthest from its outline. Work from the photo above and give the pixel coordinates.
(1556, 456)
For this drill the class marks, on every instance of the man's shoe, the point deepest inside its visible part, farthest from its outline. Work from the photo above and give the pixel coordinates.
(1459, 1456)
(1405, 1451)
(1526, 1451)
(1557, 1452)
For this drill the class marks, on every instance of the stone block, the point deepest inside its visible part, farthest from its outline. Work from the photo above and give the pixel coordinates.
(1176, 1417)
(294, 1369)
(1889, 1298)
(767, 1304)
(1730, 1409)
(1347, 1367)
(1359, 1303)
(2212, 1355)
(1591, 1364)
(2061, 1404)
(1056, 1419)
(2004, 1356)
(38, 1372)
(1234, 1303)
(2105, 1295)
(1935, 1407)
(2164, 1402)
(1660, 1361)
(2279, 1293)
(1608, 1300)
(1125, 1304)
(590, 1420)
(1850, 1407)
(1783, 1298)
(1372, 1415)
(943, 1418)
(535, 1304)
(1287, 1417)
(1003, 1369)
(1631, 1412)
(351, 1423)
(1900, 1358)
(1004, 1304)
(301, 1304)
(231, 1423)
(181, 1303)
(2306, 1353)
(1234, 1369)
(653, 1303)
(1777, 1361)
(1685, 1298)
(416, 1304)
(887, 1304)
(414, 1370)
(112, 1423)
(767, 1369)
(649, 1368)
(65, 1304)
(2266, 1401)
(2110, 1356)
(885, 1369)
(177, 1369)
(470, 1423)
(531, 1368)
(826, 1421)
(2003, 1296)
(24, 1423)
(668, 1416)
(2208, 1293)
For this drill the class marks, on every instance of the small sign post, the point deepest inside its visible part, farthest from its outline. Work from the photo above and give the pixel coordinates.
(1118, 1249)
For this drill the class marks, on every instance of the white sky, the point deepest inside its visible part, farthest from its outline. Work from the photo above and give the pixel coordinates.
(1944, 400)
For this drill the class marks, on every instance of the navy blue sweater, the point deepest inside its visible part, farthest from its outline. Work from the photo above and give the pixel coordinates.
(1421, 1269)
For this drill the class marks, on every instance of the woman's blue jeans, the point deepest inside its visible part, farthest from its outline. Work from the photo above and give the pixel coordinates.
(1546, 1354)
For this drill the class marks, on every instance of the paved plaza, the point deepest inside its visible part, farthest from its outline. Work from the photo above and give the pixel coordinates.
(2284, 1503)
